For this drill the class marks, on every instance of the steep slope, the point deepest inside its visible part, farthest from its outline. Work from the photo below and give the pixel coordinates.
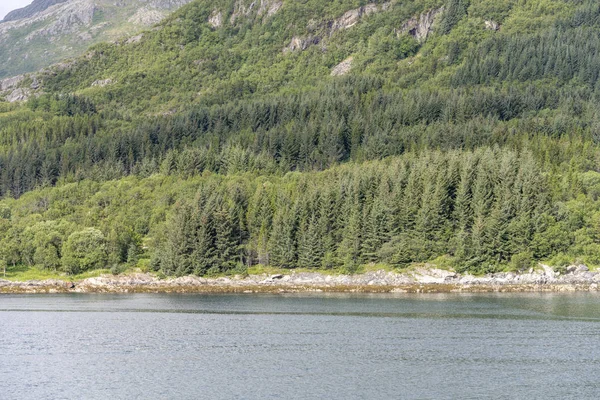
(314, 134)
(48, 31)
(29, 11)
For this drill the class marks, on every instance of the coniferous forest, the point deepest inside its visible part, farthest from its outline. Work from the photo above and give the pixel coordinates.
(211, 145)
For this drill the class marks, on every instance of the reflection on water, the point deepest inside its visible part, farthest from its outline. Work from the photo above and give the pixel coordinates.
(299, 346)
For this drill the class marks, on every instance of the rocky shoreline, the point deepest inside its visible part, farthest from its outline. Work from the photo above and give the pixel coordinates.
(420, 280)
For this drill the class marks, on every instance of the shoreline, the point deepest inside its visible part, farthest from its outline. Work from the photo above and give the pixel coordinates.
(420, 280)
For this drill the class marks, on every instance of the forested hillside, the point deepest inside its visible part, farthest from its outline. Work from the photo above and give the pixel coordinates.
(313, 134)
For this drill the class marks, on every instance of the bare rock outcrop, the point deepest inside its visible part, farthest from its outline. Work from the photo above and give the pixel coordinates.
(299, 43)
(71, 19)
(216, 19)
(328, 28)
(102, 83)
(352, 17)
(422, 26)
(342, 68)
(35, 7)
(240, 9)
(147, 16)
(269, 8)
(264, 9)
(11, 83)
(135, 39)
(492, 25)
(427, 278)
(19, 94)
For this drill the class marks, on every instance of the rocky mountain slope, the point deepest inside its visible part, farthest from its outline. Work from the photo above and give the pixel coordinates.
(30, 10)
(48, 31)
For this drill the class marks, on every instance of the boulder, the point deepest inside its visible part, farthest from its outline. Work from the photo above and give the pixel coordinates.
(581, 269)
(492, 25)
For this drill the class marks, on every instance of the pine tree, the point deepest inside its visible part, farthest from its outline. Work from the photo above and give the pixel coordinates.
(282, 243)
(310, 253)
(226, 245)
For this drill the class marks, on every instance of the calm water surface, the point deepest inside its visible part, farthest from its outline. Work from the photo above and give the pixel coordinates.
(509, 346)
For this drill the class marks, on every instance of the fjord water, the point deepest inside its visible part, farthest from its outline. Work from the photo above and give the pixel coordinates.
(300, 346)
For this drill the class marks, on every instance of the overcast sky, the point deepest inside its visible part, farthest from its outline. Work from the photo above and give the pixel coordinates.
(7, 6)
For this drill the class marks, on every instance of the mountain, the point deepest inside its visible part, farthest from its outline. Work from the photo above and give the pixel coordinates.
(313, 134)
(29, 11)
(48, 31)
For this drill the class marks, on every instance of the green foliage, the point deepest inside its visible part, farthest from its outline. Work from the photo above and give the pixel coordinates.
(522, 261)
(215, 150)
(84, 250)
(454, 11)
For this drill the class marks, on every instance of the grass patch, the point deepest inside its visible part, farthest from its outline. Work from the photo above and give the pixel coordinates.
(22, 273)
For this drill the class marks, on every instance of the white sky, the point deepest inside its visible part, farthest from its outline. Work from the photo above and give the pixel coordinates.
(7, 6)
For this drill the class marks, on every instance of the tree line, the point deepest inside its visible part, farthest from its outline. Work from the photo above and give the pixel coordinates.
(66, 138)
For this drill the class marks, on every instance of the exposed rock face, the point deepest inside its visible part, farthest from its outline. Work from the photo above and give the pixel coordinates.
(420, 28)
(166, 4)
(216, 19)
(147, 16)
(102, 83)
(492, 26)
(241, 10)
(298, 43)
(346, 21)
(352, 17)
(342, 68)
(35, 7)
(75, 16)
(10, 83)
(269, 7)
(263, 8)
(10, 90)
(65, 28)
(134, 39)
(18, 95)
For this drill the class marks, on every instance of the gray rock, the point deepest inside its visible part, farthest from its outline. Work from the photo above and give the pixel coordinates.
(216, 19)
(269, 7)
(135, 39)
(18, 95)
(581, 269)
(420, 28)
(342, 68)
(352, 17)
(102, 83)
(328, 28)
(298, 43)
(147, 16)
(492, 25)
(11, 83)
